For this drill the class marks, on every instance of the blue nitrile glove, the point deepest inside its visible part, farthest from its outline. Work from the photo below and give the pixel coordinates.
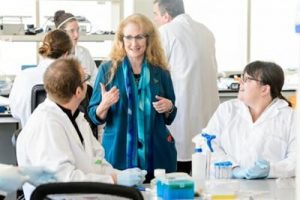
(38, 175)
(131, 177)
(261, 169)
(239, 173)
(11, 179)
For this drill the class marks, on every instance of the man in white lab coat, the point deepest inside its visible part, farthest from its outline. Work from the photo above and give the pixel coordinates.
(57, 135)
(190, 49)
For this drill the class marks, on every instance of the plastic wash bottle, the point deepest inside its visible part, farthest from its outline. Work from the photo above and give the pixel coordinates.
(199, 163)
(208, 151)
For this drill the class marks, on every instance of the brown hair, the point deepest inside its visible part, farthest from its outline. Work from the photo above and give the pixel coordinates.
(154, 54)
(55, 44)
(62, 78)
(61, 19)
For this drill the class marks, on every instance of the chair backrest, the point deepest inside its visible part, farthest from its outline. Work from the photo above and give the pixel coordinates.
(81, 188)
(38, 95)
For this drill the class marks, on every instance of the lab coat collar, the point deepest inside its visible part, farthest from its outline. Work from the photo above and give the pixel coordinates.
(73, 120)
(63, 114)
(182, 17)
(69, 112)
(271, 111)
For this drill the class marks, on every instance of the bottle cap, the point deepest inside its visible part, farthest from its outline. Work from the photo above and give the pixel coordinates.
(159, 172)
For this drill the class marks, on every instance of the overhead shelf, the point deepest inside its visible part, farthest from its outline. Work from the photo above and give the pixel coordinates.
(39, 37)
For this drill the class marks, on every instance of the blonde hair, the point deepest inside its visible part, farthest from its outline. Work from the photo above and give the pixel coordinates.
(154, 53)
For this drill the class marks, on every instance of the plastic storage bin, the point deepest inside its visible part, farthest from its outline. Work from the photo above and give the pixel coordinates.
(173, 186)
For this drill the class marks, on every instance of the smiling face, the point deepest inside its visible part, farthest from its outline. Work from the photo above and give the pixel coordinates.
(135, 41)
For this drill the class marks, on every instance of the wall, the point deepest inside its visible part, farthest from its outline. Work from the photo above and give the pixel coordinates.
(138, 6)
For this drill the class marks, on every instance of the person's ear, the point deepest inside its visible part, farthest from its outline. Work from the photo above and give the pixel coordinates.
(266, 90)
(66, 55)
(78, 91)
(167, 18)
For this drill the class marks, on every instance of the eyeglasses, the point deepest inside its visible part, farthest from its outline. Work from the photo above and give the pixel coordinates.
(137, 37)
(87, 77)
(249, 78)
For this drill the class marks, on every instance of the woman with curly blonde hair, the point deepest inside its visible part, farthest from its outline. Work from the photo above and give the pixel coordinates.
(135, 98)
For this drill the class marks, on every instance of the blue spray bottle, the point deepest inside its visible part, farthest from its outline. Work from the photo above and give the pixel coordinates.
(208, 138)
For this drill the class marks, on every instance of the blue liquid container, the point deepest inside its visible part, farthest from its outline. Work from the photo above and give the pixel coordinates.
(173, 188)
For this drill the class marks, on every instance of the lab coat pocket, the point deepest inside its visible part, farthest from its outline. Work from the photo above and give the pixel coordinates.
(275, 148)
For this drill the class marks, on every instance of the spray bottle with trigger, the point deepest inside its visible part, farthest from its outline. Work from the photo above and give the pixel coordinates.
(209, 138)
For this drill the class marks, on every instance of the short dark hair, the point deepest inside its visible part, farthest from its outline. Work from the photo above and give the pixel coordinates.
(172, 7)
(62, 78)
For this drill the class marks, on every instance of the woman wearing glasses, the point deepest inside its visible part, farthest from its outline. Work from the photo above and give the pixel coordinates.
(69, 23)
(134, 95)
(56, 44)
(256, 131)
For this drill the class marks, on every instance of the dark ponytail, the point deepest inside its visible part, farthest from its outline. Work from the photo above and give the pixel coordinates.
(280, 96)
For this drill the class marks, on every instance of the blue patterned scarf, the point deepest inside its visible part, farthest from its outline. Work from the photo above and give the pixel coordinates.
(138, 115)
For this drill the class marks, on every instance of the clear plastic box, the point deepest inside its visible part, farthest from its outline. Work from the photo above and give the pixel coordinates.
(175, 186)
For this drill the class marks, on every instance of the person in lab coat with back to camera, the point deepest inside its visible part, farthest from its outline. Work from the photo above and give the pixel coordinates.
(135, 98)
(55, 44)
(256, 131)
(57, 135)
(69, 23)
(190, 49)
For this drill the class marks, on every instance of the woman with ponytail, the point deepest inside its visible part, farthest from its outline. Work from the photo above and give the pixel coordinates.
(256, 131)
(56, 44)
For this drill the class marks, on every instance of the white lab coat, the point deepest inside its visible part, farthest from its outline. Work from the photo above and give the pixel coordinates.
(87, 62)
(190, 49)
(270, 137)
(20, 94)
(50, 140)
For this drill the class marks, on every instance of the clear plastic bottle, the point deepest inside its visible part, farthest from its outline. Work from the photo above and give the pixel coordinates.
(223, 170)
(153, 183)
(199, 168)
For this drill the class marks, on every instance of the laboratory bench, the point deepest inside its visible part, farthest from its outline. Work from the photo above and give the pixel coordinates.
(8, 125)
(266, 189)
